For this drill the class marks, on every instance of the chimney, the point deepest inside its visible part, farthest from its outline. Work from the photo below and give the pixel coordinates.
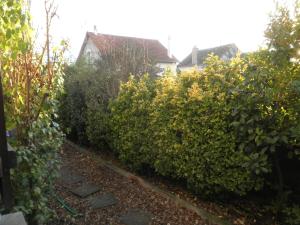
(95, 29)
(194, 55)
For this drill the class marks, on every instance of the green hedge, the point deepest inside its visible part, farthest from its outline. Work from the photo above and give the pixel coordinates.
(220, 129)
(198, 139)
(231, 127)
(180, 126)
(130, 119)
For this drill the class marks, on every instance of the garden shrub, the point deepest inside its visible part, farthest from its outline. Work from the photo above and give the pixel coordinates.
(196, 141)
(266, 114)
(37, 168)
(221, 129)
(182, 125)
(98, 128)
(130, 118)
(97, 112)
(90, 86)
(72, 111)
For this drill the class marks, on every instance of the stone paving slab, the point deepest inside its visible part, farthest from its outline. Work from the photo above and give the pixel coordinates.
(136, 217)
(69, 177)
(102, 201)
(16, 218)
(85, 190)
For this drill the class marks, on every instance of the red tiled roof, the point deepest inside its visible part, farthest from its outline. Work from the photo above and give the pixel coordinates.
(154, 48)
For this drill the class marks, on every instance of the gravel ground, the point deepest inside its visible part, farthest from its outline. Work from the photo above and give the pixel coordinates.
(129, 193)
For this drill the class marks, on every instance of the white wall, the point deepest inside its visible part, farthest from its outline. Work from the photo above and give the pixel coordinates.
(91, 51)
(165, 66)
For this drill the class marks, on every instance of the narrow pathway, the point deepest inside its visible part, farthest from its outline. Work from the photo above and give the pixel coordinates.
(102, 196)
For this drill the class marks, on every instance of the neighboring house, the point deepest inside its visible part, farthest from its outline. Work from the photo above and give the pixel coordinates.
(96, 44)
(197, 57)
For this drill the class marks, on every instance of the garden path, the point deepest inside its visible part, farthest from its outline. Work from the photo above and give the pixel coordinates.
(90, 192)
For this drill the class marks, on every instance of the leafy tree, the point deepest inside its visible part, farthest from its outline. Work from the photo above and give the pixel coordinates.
(282, 35)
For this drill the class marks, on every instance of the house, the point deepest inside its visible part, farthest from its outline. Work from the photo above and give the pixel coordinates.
(96, 44)
(197, 57)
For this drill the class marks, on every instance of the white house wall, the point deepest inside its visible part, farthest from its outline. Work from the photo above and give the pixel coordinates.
(91, 51)
(165, 66)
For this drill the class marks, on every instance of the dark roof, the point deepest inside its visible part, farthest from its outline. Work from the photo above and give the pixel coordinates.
(154, 48)
(228, 51)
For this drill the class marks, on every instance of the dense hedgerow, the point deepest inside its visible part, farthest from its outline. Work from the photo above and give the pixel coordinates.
(130, 122)
(180, 126)
(221, 129)
(197, 142)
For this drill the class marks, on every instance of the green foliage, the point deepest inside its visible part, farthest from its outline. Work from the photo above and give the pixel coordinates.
(268, 118)
(232, 127)
(37, 168)
(86, 97)
(98, 133)
(221, 129)
(180, 126)
(130, 118)
(282, 34)
(72, 110)
(14, 28)
(197, 143)
(225, 128)
(31, 88)
(90, 86)
(292, 215)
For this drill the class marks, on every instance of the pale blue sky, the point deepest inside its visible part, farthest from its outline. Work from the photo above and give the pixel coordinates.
(204, 23)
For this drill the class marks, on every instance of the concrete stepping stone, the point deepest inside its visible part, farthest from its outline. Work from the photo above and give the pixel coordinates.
(69, 177)
(136, 217)
(16, 218)
(85, 190)
(102, 201)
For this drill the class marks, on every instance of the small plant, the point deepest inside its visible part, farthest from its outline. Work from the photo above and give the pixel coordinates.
(292, 215)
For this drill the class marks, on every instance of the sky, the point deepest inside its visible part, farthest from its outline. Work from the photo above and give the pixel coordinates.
(188, 23)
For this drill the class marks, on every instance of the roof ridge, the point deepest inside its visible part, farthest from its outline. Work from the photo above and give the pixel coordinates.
(219, 46)
(122, 36)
